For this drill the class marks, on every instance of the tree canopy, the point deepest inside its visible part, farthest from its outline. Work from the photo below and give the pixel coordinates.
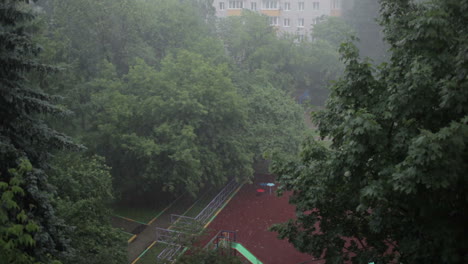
(165, 98)
(83, 200)
(166, 105)
(30, 232)
(392, 186)
(284, 62)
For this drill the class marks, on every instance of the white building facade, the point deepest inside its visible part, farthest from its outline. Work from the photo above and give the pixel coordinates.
(291, 16)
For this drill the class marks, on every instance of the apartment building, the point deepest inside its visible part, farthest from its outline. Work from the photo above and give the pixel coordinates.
(291, 16)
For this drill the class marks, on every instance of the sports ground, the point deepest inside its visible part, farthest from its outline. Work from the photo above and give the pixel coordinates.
(250, 214)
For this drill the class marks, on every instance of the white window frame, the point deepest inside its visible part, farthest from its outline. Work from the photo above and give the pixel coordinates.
(335, 4)
(222, 6)
(236, 4)
(286, 22)
(316, 5)
(300, 37)
(253, 6)
(317, 20)
(273, 20)
(300, 6)
(300, 22)
(287, 6)
(270, 5)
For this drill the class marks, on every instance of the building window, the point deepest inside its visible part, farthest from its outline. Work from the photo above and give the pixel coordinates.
(287, 6)
(270, 4)
(253, 6)
(236, 4)
(273, 21)
(315, 21)
(316, 5)
(286, 22)
(301, 6)
(300, 22)
(335, 4)
(221, 6)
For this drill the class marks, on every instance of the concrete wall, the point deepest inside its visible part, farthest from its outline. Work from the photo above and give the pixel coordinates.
(309, 14)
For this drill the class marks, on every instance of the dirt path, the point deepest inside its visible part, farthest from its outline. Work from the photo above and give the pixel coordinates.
(147, 236)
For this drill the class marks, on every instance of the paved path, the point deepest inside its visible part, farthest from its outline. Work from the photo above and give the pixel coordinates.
(148, 235)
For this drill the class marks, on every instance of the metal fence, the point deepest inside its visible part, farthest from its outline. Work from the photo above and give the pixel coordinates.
(185, 223)
(177, 240)
(204, 216)
(170, 253)
(183, 219)
(172, 237)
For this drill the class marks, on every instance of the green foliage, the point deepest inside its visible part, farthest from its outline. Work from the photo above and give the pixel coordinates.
(27, 213)
(179, 127)
(258, 53)
(394, 179)
(154, 92)
(16, 229)
(120, 30)
(334, 30)
(276, 122)
(83, 197)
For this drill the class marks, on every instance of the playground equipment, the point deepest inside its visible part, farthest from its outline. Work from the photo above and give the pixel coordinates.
(223, 241)
(226, 242)
(269, 184)
(244, 252)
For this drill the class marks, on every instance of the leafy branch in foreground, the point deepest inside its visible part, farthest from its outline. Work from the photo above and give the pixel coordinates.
(392, 186)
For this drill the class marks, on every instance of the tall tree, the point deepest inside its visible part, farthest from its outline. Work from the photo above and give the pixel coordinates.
(334, 30)
(275, 121)
(392, 187)
(257, 51)
(83, 198)
(29, 230)
(176, 129)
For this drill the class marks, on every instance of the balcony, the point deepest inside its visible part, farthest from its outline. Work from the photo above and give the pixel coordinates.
(271, 12)
(234, 12)
(336, 12)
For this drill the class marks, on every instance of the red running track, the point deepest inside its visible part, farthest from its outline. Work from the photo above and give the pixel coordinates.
(251, 214)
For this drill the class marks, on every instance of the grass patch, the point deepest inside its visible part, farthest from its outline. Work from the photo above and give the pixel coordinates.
(138, 213)
(151, 255)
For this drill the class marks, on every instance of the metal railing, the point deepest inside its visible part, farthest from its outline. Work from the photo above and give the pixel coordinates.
(170, 237)
(177, 240)
(185, 224)
(170, 253)
(205, 215)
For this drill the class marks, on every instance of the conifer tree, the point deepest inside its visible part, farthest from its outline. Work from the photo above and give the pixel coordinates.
(29, 230)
